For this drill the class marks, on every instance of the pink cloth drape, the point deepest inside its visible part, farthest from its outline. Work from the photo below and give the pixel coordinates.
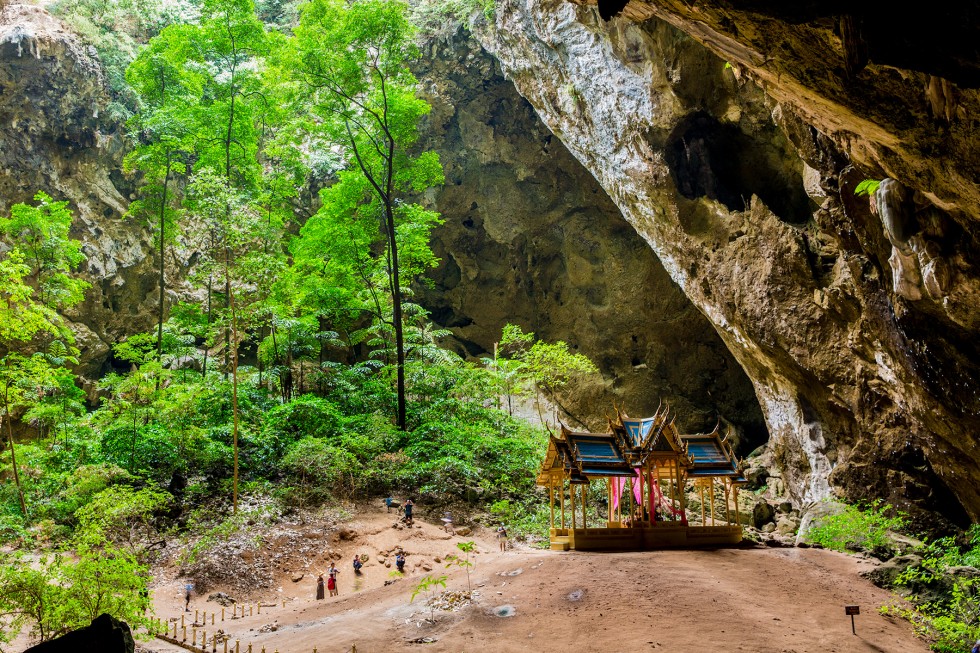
(619, 484)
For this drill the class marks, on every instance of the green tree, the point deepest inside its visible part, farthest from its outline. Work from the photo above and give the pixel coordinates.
(351, 64)
(123, 516)
(61, 403)
(218, 97)
(466, 548)
(35, 281)
(41, 234)
(429, 585)
(169, 93)
(59, 593)
(544, 368)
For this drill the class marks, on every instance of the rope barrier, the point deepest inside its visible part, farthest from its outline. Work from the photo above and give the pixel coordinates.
(160, 629)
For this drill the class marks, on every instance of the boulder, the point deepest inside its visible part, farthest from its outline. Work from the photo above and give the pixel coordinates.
(756, 477)
(105, 634)
(463, 531)
(787, 525)
(762, 514)
(965, 572)
(223, 599)
(815, 513)
(884, 575)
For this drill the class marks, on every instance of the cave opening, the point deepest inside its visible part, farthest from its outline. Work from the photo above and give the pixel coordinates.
(719, 161)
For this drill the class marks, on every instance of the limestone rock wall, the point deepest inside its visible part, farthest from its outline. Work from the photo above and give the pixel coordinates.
(56, 137)
(747, 198)
(531, 238)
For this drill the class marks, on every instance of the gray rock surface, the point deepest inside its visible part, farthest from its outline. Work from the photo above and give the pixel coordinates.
(862, 389)
(531, 238)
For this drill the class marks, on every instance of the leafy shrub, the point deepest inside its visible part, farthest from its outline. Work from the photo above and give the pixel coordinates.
(60, 593)
(857, 527)
(306, 415)
(951, 619)
(318, 469)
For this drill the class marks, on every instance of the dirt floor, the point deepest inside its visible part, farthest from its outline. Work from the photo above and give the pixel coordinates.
(747, 599)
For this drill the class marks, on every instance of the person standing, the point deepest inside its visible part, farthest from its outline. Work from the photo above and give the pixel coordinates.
(389, 502)
(502, 538)
(408, 510)
(332, 580)
(319, 587)
(187, 597)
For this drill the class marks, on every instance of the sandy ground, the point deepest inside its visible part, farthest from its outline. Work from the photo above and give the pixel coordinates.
(749, 599)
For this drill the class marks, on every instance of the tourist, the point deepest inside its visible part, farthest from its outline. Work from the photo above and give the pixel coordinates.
(319, 587)
(447, 523)
(332, 580)
(400, 562)
(502, 538)
(408, 511)
(187, 597)
(389, 502)
(976, 647)
(357, 564)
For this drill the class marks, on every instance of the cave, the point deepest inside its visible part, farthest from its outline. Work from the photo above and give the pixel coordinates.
(719, 161)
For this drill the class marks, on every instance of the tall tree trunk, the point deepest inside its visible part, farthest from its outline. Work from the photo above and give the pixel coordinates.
(163, 282)
(396, 296)
(132, 455)
(234, 399)
(227, 306)
(204, 364)
(13, 456)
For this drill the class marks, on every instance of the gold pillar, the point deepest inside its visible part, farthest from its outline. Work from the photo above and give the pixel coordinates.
(619, 503)
(609, 515)
(724, 492)
(563, 502)
(681, 482)
(585, 501)
(551, 498)
(630, 495)
(639, 479)
(701, 495)
(738, 518)
(571, 493)
(712, 490)
(650, 494)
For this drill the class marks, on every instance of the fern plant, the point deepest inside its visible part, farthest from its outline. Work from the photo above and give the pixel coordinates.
(867, 187)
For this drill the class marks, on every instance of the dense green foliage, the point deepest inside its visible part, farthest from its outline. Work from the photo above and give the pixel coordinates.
(857, 528)
(946, 604)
